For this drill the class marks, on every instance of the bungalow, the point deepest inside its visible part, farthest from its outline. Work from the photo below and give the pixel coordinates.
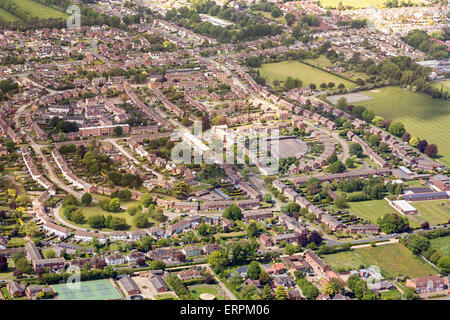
(33, 291)
(283, 280)
(189, 274)
(277, 268)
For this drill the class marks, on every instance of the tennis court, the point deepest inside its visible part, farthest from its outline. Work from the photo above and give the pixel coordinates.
(89, 290)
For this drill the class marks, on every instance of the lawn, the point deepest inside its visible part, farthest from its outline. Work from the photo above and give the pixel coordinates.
(390, 295)
(196, 291)
(370, 210)
(165, 296)
(307, 74)
(442, 85)
(356, 3)
(442, 244)
(423, 116)
(5, 15)
(95, 209)
(393, 260)
(435, 212)
(39, 10)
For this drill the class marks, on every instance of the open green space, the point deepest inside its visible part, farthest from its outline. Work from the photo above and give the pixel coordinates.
(435, 212)
(356, 3)
(297, 70)
(196, 291)
(39, 10)
(390, 295)
(89, 290)
(5, 15)
(165, 296)
(95, 209)
(370, 210)
(442, 244)
(393, 260)
(422, 116)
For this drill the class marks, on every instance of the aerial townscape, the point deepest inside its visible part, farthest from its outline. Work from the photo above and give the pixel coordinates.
(224, 150)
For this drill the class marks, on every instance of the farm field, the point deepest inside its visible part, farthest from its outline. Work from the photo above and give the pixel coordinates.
(442, 244)
(307, 74)
(5, 15)
(39, 10)
(356, 3)
(393, 259)
(422, 116)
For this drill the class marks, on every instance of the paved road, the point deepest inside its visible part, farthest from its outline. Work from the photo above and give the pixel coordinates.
(95, 54)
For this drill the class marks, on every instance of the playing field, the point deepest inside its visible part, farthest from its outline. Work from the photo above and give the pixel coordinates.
(370, 210)
(39, 10)
(89, 290)
(297, 70)
(393, 260)
(423, 116)
(442, 244)
(5, 15)
(435, 212)
(356, 3)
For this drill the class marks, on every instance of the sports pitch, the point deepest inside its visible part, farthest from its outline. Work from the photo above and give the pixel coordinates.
(90, 290)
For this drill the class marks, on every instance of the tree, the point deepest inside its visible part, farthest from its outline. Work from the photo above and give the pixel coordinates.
(264, 277)
(266, 293)
(340, 203)
(253, 62)
(69, 200)
(86, 199)
(290, 18)
(406, 137)
(425, 225)
(373, 140)
(310, 291)
(275, 12)
(444, 265)
(203, 229)
(267, 197)
(233, 212)
(141, 220)
(118, 131)
(146, 199)
(392, 223)
(397, 128)
(117, 223)
(157, 265)
(254, 270)
(336, 167)
(49, 254)
(252, 229)
(217, 261)
(3, 263)
(417, 243)
(114, 205)
(332, 159)
(414, 141)
(180, 190)
(431, 150)
(281, 293)
(422, 145)
(355, 149)
(349, 163)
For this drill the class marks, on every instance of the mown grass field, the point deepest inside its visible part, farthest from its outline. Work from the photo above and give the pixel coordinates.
(297, 70)
(393, 260)
(422, 116)
(442, 244)
(370, 210)
(39, 10)
(356, 3)
(5, 15)
(435, 212)
(196, 291)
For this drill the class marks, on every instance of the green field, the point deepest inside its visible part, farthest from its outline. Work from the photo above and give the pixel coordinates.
(95, 209)
(431, 211)
(39, 10)
(356, 3)
(393, 259)
(370, 210)
(442, 244)
(5, 15)
(444, 85)
(89, 290)
(297, 70)
(435, 212)
(423, 116)
(196, 291)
